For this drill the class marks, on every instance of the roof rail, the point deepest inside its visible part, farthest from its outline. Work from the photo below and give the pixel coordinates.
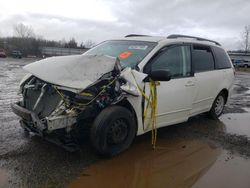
(192, 37)
(136, 35)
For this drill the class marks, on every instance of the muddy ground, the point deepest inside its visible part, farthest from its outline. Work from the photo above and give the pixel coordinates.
(199, 153)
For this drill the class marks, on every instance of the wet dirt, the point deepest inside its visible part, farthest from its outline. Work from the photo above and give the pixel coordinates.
(30, 161)
(240, 97)
(201, 127)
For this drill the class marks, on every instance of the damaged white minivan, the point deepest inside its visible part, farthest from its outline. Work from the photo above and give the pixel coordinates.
(114, 90)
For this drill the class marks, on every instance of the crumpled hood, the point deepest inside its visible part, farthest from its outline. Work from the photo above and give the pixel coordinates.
(76, 71)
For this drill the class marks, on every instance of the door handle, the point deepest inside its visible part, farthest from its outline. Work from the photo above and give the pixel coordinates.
(189, 84)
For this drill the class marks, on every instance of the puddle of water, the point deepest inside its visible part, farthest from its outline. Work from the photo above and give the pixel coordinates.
(226, 172)
(247, 110)
(237, 123)
(3, 178)
(248, 91)
(176, 163)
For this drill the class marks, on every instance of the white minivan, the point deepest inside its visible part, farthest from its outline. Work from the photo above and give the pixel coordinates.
(124, 87)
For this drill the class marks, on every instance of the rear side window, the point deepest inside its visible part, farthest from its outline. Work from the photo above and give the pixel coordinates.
(222, 60)
(203, 59)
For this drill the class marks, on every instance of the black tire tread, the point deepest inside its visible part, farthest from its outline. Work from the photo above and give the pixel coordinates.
(98, 128)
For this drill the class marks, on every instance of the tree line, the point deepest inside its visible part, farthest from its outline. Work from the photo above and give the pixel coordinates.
(26, 41)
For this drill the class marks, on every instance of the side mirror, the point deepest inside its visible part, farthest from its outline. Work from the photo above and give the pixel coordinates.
(160, 75)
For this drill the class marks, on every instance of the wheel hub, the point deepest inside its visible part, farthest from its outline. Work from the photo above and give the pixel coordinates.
(219, 104)
(118, 132)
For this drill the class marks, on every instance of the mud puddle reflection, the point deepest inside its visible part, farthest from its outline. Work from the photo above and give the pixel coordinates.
(3, 178)
(175, 163)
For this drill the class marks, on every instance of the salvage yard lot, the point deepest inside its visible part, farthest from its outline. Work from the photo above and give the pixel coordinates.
(199, 153)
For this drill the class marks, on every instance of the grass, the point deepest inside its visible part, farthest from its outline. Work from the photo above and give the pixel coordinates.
(242, 69)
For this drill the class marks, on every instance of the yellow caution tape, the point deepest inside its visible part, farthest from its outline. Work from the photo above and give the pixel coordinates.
(151, 103)
(88, 103)
(153, 92)
(86, 94)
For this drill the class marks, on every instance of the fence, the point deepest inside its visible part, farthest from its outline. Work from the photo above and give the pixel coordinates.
(55, 51)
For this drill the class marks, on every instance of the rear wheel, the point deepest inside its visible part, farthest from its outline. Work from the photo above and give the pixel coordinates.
(113, 131)
(218, 106)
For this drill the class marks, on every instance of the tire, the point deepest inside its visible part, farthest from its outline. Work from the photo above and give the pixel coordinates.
(218, 106)
(245, 66)
(113, 131)
(25, 130)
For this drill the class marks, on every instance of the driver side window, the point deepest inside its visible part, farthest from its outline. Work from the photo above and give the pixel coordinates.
(175, 59)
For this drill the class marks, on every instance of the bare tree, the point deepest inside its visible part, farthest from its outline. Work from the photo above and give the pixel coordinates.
(246, 38)
(82, 45)
(62, 42)
(71, 44)
(89, 44)
(23, 31)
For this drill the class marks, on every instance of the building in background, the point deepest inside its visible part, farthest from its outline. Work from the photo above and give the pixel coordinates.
(240, 59)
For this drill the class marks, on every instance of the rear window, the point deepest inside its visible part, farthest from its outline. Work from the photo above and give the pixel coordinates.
(222, 60)
(203, 59)
(130, 53)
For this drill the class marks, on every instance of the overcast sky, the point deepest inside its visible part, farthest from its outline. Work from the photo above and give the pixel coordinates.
(98, 20)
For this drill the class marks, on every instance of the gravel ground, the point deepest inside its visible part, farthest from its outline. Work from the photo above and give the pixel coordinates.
(29, 161)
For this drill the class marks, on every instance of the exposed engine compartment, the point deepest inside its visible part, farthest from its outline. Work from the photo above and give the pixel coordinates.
(59, 107)
(39, 97)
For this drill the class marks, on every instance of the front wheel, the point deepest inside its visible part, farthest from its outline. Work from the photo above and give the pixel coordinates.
(113, 131)
(218, 106)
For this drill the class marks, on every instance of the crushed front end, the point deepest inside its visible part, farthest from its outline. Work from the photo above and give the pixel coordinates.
(48, 109)
(62, 96)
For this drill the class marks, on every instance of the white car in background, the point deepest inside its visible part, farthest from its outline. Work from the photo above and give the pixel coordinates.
(105, 91)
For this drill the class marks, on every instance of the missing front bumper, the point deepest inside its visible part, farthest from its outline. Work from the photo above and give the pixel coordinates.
(32, 122)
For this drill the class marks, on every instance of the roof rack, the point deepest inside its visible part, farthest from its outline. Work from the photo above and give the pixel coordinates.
(192, 37)
(136, 35)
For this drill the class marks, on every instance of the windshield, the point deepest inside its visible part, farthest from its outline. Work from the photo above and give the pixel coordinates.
(130, 53)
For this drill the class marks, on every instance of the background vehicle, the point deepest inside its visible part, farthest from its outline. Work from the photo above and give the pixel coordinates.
(110, 97)
(240, 63)
(16, 54)
(2, 53)
(244, 63)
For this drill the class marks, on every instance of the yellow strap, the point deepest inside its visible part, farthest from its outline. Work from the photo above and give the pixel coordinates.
(153, 92)
(88, 103)
(152, 102)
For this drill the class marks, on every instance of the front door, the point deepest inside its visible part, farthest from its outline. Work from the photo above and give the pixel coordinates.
(175, 97)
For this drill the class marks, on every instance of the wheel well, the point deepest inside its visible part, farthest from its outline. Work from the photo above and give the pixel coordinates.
(124, 103)
(225, 93)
